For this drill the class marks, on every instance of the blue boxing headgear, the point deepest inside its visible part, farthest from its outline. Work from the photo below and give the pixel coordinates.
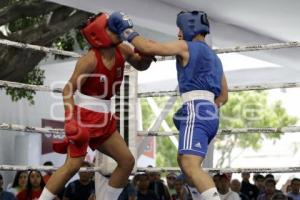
(192, 23)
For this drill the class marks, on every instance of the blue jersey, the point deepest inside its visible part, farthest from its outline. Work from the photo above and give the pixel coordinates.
(203, 72)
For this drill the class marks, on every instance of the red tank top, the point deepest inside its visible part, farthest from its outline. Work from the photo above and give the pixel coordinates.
(103, 82)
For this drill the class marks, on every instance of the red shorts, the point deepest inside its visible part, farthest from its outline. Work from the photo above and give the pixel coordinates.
(99, 125)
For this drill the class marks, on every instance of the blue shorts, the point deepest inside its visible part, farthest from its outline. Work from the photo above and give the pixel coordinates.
(198, 123)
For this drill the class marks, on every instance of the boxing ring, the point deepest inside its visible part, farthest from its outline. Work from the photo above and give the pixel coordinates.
(127, 124)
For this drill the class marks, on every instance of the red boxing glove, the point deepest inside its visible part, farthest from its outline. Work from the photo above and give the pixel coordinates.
(74, 133)
(60, 146)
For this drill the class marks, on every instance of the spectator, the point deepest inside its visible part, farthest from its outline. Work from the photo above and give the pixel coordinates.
(135, 180)
(216, 179)
(157, 186)
(280, 196)
(34, 187)
(19, 183)
(82, 189)
(187, 190)
(229, 176)
(48, 174)
(271, 176)
(171, 178)
(270, 190)
(3, 194)
(259, 182)
(224, 189)
(288, 188)
(154, 175)
(295, 186)
(178, 186)
(235, 186)
(128, 193)
(190, 193)
(144, 193)
(250, 190)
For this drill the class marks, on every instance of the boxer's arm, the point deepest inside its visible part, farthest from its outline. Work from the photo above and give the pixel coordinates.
(149, 47)
(85, 65)
(139, 62)
(222, 99)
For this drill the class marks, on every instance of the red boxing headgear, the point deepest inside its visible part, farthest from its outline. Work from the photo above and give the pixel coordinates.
(95, 33)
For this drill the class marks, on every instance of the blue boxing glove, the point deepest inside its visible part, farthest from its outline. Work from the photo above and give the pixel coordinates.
(120, 24)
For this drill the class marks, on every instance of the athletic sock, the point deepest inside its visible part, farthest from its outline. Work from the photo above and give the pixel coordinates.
(47, 195)
(210, 194)
(112, 193)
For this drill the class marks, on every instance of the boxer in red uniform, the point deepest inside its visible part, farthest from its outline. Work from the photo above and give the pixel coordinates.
(88, 119)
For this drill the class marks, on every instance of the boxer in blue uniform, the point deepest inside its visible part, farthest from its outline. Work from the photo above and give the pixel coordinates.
(202, 86)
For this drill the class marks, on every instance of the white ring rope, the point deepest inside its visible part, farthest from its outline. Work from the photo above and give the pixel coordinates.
(265, 86)
(44, 88)
(258, 47)
(42, 168)
(236, 49)
(159, 169)
(227, 170)
(288, 129)
(39, 48)
(29, 129)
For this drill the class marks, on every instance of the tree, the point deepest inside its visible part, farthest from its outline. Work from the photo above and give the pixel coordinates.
(166, 152)
(244, 109)
(36, 22)
(249, 109)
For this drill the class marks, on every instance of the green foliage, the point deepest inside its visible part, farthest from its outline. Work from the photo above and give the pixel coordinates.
(148, 115)
(24, 22)
(83, 45)
(166, 152)
(249, 109)
(10, 2)
(244, 109)
(34, 77)
(68, 42)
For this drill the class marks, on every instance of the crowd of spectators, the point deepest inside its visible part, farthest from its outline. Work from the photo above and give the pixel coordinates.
(28, 185)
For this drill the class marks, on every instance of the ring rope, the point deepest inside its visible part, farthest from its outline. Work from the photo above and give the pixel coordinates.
(227, 170)
(44, 88)
(159, 169)
(41, 88)
(43, 168)
(288, 129)
(29, 129)
(265, 86)
(40, 48)
(236, 49)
